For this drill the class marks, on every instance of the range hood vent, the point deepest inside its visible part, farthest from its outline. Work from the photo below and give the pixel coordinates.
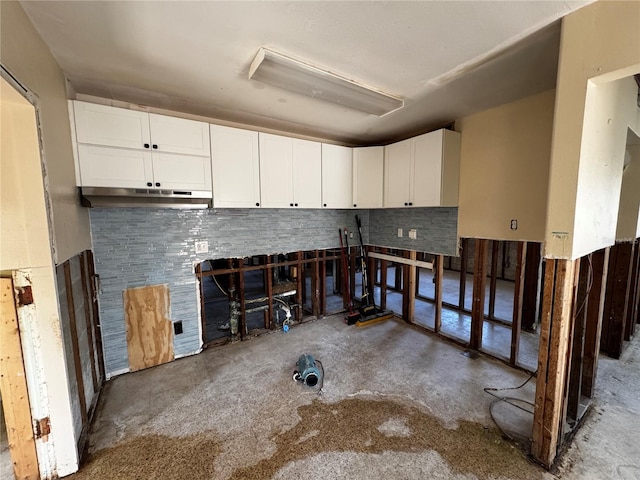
(97, 197)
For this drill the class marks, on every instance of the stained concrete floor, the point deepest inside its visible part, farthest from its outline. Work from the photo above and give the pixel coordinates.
(396, 403)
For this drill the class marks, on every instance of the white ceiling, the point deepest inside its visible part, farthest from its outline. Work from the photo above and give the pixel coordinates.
(447, 59)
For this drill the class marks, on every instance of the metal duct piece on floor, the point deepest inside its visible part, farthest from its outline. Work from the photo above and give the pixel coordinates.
(307, 371)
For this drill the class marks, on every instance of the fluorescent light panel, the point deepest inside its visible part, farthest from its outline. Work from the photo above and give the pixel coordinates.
(285, 72)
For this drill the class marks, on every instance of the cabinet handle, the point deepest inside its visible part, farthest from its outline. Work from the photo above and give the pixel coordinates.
(410, 203)
(146, 145)
(354, 205)
(406, 204)
(157, 184)
(325, 205)
(291, 204)
(149, 184)
(257, 204)
(155, 146)
(296, 205)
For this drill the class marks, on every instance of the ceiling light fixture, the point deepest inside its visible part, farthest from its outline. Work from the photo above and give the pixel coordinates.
(296, 76)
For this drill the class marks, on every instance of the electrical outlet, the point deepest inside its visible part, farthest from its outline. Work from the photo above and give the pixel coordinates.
(177, 327)
(399, 233)
(413, 234)
(350, 235)
(202, 246)
(514, 224)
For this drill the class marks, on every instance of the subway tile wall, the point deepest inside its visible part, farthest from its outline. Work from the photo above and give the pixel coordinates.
(141, 246)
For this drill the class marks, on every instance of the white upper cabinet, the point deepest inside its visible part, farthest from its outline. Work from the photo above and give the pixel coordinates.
(236, 167)
(290, 172)
(124, 148)
(368, 173)
(423, 171)
(337, 176)
(119, 127)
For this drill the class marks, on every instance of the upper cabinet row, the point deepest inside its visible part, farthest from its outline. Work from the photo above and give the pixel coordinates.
(125, 148)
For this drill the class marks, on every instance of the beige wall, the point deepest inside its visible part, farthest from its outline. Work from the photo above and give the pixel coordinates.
(27, 57)
(601, 41)
(504, 168)
(628, 226)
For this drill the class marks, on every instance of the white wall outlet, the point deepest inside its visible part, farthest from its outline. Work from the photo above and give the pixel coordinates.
(202, 246)
(399, 233)
(413, 234)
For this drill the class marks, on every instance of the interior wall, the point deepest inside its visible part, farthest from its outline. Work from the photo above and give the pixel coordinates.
(25, 254)
(504, 169)
(30, 61)
(600, 42)
(628, 228)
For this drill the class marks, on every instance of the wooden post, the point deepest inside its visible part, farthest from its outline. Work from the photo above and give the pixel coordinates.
(494, 277)
(595, 306)
(463, 272)
(615, 307)
(439, 266)
(404, 269)
(371, 275)
(479, 285)
(96, 313)
(353, 253)
(242, 328)
(269, 323)
(579, 317)
(203, 313)
(74, 342)
(410, 289)
(315, 285)
(552, 358)
(299, 281)
(518, 293)
(322, 307)
(13, 389)
(383, 281)
(88, 320)
(531, 284)
(630, 320)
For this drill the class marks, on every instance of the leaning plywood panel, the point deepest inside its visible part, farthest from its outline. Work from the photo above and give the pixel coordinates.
(149, 330)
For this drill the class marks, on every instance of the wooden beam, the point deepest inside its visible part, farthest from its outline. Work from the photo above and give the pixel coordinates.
(371, 273)
(203, 313)
(404, 270)
(495, 244)
(616, 299)
(315, 287)
(552, 358)
(479, 284)
(531, 287)
(579, 316)
(411, 288)
(88, 320)
(401, 260)
(96, 313)
(438, 292)
(353, 254)
(595, 307)
(74, 342)
(322, 307)
(384, 265)
(242, 327)
(630, 319)
(13, 389)
(299, 281)
(463, 272)
(268, 284)
(518, 294)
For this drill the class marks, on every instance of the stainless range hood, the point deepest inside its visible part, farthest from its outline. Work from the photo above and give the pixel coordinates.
(96, 197)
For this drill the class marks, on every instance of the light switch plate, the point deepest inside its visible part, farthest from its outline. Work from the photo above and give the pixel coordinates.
(413, 234)
(399, 232)
(202, 246)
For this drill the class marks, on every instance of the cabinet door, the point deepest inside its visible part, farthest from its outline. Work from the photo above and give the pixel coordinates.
(307, 173)
(178, 135)
(114, 167)
(276, 171)
(236, 167)
(337, 176)
(397, 174)
(368, 170)
(181, 172)
(110, 126)
(427, 169)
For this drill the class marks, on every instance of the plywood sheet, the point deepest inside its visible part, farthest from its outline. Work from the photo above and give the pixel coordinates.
(149, 329)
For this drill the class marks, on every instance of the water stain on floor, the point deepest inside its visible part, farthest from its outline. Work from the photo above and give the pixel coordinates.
(352, 425)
